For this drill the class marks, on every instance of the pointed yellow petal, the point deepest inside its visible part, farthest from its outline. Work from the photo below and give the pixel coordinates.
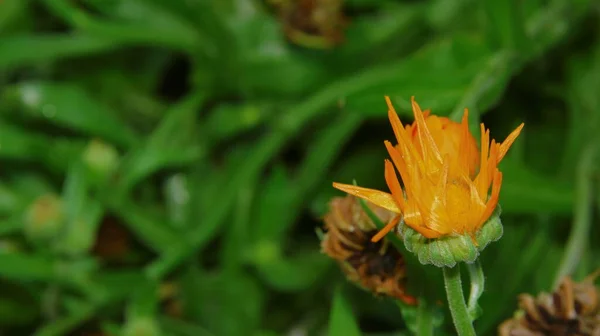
(393, 184)
(509, 141)
(402, 165)
(465, 151)
(376, 197)
(388, 227)
(482, 176)
(395, 121)
(428, 145)
(493, 201)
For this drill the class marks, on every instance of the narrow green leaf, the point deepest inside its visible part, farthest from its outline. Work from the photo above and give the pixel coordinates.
(179, 327)
(341, 321)
(30, 49)
(144, 302)
(506, 24)
(174, 142)
(526, 191)
(12, 12)
(236, 241)
(291, 274)
(69, 106)
(150, 228)
(147, 25)
(63, 325)
(83, 212)
(22, 267)
(19, 144)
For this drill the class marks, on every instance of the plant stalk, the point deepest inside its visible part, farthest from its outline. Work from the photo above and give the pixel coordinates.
(456, 302)
(424, 318)
(579, 236)
(477, 286)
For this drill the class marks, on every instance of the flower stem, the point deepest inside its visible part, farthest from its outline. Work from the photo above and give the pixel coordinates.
(579, 237)
(456, 302)
(477, 285)
(424, 318)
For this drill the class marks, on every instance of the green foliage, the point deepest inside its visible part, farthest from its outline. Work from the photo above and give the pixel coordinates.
(189, 145)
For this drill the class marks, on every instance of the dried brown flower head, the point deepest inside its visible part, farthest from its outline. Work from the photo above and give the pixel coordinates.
(573, 309)
(376, 266)
(312, 23)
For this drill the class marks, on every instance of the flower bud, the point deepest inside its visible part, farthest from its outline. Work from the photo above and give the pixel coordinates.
(101, 158)
(447, 203)
(44, 218)
(141, 326)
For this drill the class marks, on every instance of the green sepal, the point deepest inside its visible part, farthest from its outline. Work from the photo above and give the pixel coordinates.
(449, 250)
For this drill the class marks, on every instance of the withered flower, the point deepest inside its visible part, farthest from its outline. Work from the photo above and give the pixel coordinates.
(573, 309)
(447, 208)
(375, 266)
(312, 23)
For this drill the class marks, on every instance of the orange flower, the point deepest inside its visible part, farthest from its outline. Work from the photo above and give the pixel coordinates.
(446, 178)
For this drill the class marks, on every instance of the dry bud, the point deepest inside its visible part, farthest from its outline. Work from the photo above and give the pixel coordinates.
(573, 309)
(376, 266)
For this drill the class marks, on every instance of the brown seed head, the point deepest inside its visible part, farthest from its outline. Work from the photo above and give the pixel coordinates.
(573, 309)
(376, 266)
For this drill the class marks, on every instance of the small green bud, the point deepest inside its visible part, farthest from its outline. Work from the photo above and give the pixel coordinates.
(141, 326)
(449, 250)
(101, 158)
(44, 218)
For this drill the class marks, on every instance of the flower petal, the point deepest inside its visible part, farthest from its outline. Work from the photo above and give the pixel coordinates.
(376, 197)
(493, 201)
(402, 165)
(388, 227)
(503, 148)
(394, 184)
(428, 146)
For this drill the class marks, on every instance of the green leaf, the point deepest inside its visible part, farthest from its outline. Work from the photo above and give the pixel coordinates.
(146, 224)
(236, 242)
(69, 106)
(141, 24)
(223, 304)
(34, 49)
(452, 64)
(291, 274)
(22, 267)
(83, 213)
(273, 203)
(341, 319)
(279, 203)
(172, 143)
(179, 327)
(228, 120)
(18, 306)
(13, 12)
(526, 191)
(506, 24)
(144, 303)
(487, 86)
(22, 145)
(584, 106)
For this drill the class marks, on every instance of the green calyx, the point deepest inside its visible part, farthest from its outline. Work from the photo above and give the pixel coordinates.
(449, 250)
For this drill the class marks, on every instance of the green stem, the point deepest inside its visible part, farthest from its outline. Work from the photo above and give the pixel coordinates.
(424, 318)
(456, 302)
(477, 285)
(578, 239)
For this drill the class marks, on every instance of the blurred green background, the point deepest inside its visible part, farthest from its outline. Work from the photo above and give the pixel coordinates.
(165, 163)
